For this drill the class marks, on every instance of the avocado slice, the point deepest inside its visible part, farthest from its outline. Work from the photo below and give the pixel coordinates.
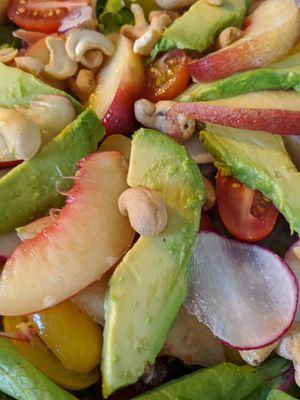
(199, 27)
(18, 88)
(260, 161)
(30, 189)
(282, 75)
(150, 284)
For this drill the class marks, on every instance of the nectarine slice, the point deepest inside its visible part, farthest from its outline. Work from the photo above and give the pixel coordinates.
(89, 236)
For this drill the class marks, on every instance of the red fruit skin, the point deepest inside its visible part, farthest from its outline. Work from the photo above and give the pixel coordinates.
(120, 116)
(282, 122)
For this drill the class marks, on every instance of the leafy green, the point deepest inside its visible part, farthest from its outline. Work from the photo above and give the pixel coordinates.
(21, 380)
(6, 37)
(112, 14)
(224, 382)
(278, 395)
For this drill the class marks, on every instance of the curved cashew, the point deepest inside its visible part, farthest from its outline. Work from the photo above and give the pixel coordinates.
(180, 127)
(8, 54)
(173, 4)
(140, 24)
(30, 64)
(20, 138)
(146, 210)
(83, 85)
(257, 357)
(51, 113)
(210, 195)
(229, 36)
(81, 41)
(60, 66)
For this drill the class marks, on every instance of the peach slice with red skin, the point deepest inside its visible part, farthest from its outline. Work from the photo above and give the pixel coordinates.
(86, 240)
(119, 85)
(272, 30)
(271, 111)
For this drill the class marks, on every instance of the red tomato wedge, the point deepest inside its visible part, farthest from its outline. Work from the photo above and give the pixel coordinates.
(167, 77)
(41, 15)
(246, 213)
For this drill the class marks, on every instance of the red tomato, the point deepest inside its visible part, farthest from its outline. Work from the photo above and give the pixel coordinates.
(246, 213)
(167, 77)
(206, 223)
(41, 15)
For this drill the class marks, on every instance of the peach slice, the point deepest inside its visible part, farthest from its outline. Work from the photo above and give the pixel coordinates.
(86, 240)
(271, 111)
(120, 82)
(272, 31)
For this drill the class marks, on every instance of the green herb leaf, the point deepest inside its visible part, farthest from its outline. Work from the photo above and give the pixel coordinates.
(112, 14)
(6, 37)
(21, 380)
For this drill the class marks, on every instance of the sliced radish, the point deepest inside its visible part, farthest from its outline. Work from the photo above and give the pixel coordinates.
(246, 294)
(75, 18)
(31, 230)
(292, 258)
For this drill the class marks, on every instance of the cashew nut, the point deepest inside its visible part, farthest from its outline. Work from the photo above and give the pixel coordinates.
(86, 46)
(174, 4)
(146, 210)
(140, 24)
(180, 127)
(289, 348)
(30, 64)
(228, 36)
(211, 198)
(83, 85)
(51, 113)
(8, 54)
(196, 150)
(60, 66)
(258, 356)
(20, 138)
(159, 21)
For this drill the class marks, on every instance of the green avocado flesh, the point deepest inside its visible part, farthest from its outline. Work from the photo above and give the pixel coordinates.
(150, 284)
(198, 28)
(18, 88)
(260, 161)
(30, 189)
(278, 395)
(283, 75)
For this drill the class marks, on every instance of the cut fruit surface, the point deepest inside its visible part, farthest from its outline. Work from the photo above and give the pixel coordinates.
(88, 237)
(119, 84)
(246, 294)
(272, 32)
(272, 111)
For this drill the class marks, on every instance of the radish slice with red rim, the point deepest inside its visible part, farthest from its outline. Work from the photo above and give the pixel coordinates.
(75, 18)
(244, 293)
(292, 258)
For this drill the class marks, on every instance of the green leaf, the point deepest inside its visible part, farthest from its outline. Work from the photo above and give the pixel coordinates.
(112, 14)
(21, 380)
(278, 395)
(163, 45)
(6, 37)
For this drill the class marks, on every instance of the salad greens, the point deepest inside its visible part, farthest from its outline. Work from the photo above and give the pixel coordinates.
(112, 14)
(225, 381)
(21, 380)
(278, 395)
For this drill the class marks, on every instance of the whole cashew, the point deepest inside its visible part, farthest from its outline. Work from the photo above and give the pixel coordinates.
(146, 210)
(60, 66)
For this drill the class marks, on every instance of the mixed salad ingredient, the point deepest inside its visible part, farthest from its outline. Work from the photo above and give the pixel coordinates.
(149, 185)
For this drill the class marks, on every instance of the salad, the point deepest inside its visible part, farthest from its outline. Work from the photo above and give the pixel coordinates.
(149, 199)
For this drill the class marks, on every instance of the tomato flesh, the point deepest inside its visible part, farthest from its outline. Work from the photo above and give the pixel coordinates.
(246, 213)
(167, 77)
(41, 15)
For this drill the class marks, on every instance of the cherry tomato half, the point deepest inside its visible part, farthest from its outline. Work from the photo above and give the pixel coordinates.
(167, 77)
(41, 15)
(246, 213)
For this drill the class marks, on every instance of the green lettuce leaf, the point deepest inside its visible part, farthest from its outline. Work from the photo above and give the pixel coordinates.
(112, 14)
(21, 380)
(278, 395)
